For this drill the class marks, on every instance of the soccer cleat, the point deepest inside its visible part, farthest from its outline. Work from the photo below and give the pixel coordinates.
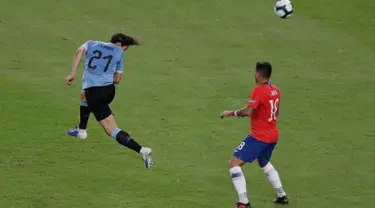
(281, 200)
(82, 134)
(146, 156)
(76, 132)
(72, 132)
(240, 205)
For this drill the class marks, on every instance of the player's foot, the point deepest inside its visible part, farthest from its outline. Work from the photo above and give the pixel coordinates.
(240, 205)
(76, 132)
(146, 156)
(281, 200)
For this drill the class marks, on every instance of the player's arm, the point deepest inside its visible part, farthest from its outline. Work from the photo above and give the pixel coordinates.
(119, 69)
(77, 58)
(117, 78)
(244, 112)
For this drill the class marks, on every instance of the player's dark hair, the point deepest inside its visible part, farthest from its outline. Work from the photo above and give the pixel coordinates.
(124, 39)
(264, 68)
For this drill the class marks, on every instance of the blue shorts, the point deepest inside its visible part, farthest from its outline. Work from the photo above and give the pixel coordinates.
(251, 149)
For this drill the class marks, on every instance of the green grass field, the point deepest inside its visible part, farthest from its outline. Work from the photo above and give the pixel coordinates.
(196, 60)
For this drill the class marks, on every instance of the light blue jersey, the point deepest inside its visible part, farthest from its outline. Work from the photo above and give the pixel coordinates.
(102, 60)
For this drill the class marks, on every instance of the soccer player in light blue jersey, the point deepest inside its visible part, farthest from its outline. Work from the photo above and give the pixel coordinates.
(103, 67)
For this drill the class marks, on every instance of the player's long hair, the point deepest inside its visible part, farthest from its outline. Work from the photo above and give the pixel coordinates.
(124, 39)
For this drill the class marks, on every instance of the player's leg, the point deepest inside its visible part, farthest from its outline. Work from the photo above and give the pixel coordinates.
(110, 127)
(239, 182)
(272, 174)
(80, 130)
(98, 100)
(84, 112)
(248, 150)
(124, 138)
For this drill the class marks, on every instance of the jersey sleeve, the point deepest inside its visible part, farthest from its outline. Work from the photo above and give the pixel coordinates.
(120, 65)
(86, 45)
(255, 98)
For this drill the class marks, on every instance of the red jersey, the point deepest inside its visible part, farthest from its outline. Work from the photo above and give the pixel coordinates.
(265, 101)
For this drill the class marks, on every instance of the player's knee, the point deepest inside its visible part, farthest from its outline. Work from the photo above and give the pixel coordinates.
(83, 97)
(262, 163)
(234, 162)
(267, 168)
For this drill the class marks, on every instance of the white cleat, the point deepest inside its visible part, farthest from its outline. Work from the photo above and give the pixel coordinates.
(82, 134)
(146, 156)
(76, 132)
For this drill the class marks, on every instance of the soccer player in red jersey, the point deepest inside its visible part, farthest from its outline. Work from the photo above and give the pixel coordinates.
(263, 109)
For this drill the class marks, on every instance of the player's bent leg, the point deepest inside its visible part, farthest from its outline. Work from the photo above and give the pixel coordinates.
(248, 151)
(98, 100)
(272, 174)
(239, 182)
(80, 130)
(274, 178)
(84, 111)
(124, 138)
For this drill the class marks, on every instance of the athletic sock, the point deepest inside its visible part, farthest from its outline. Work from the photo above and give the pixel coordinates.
(274, 178)
(84, 115)
(239, 183)
(126, 140)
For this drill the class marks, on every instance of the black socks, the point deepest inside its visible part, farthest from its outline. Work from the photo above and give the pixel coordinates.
(126, 140)
(84, 115)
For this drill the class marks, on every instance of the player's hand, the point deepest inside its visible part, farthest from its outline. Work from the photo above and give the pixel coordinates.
(69, 79)
(225, 114)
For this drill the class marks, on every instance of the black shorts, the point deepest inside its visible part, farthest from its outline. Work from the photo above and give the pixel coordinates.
(98, 100)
